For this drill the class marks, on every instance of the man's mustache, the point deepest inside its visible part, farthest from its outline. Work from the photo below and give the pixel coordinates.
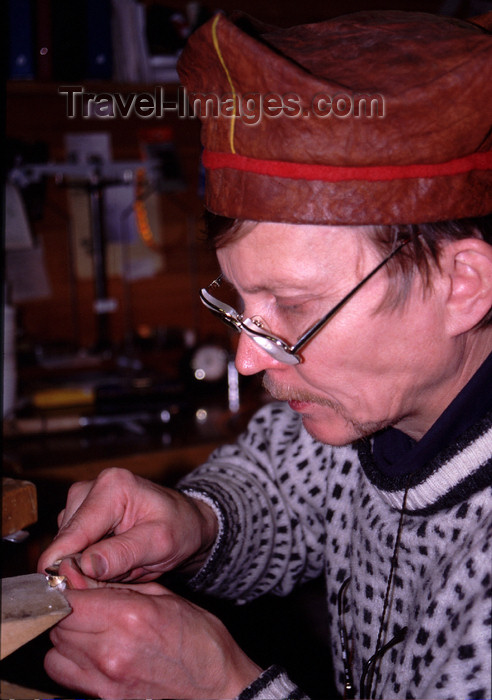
(289, 393)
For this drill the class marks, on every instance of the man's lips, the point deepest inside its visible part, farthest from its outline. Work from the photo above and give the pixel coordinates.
(299, 406)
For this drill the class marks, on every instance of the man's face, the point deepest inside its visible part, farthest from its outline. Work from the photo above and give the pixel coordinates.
(368, 368)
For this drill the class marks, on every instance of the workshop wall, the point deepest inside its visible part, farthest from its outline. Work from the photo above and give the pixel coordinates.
(166, 271)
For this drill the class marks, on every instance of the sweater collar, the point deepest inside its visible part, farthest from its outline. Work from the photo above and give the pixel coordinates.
(450, 478)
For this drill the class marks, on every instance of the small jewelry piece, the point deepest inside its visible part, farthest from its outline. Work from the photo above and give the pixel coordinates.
(258, 321)
(53, 577)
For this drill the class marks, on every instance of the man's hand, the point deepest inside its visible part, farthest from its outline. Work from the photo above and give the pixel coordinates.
(127, 528)
(142, 641)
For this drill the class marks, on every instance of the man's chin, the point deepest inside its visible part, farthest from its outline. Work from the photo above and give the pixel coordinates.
(337, 430)
(324, 419)
(336, 433)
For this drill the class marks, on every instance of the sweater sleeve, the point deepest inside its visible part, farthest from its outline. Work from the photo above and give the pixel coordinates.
(269, 492)
(272, 684)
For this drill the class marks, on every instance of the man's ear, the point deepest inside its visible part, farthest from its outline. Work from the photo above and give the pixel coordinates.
(467, 265)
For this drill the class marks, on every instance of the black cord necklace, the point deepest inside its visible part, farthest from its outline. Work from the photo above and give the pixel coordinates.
(369, 668)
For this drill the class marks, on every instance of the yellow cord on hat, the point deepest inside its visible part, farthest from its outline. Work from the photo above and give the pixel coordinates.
(221, 59)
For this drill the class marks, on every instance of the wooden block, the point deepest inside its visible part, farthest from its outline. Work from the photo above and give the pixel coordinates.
(19, 505)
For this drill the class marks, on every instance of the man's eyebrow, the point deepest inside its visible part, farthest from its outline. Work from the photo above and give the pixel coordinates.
(279, 289)
(248, 290)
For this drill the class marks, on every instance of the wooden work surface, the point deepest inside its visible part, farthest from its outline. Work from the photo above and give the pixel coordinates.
(12, 691)
(163, 466)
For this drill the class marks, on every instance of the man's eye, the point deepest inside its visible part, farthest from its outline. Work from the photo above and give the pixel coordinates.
(290, 308)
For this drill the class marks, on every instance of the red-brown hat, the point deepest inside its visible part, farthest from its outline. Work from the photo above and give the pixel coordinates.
(370, 118)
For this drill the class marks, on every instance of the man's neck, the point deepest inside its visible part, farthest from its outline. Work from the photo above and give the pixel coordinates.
(475, 350)
(396, 454)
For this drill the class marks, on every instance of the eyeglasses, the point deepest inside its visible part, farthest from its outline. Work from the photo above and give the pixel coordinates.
(254, 328)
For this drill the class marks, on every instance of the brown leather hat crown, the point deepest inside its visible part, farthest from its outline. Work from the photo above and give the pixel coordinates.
(370, 118)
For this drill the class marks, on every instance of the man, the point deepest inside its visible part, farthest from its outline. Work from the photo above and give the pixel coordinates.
(374, 325)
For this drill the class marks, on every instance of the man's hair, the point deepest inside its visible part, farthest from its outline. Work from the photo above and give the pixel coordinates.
(420, 255)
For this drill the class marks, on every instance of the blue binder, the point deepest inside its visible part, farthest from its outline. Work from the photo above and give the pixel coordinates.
(20, 51)
(99, 44)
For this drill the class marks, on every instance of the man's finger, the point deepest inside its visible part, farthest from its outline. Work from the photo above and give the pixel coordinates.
(145, 546)
(73, 669)
(77, 494)
(95, 610)
(94, 518)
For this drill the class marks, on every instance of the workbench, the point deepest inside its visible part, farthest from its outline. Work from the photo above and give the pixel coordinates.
(40, 470)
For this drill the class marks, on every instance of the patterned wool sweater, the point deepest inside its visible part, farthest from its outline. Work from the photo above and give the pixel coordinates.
(292, 508)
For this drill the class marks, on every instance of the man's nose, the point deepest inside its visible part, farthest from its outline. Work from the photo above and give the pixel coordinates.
(251, 358)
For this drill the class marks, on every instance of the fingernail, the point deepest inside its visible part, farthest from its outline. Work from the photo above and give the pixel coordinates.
(99, 565)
